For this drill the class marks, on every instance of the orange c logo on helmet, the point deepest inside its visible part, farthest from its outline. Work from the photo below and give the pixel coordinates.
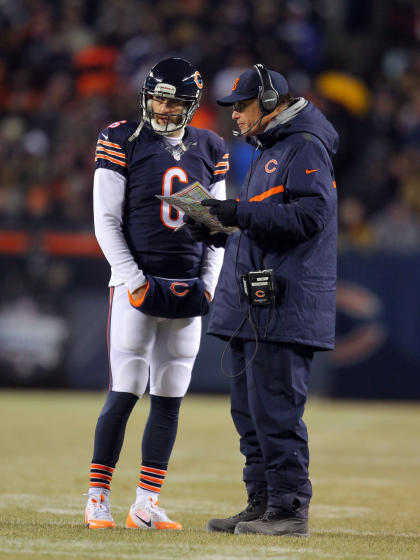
(271, 169)
(198, 80)
(260, 293)
(173, 288)
(235, 84)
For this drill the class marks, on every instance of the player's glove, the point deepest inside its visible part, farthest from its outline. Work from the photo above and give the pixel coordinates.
(200, 232)
(224, 210)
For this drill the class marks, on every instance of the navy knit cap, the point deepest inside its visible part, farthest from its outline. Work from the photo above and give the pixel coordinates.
(248, 84)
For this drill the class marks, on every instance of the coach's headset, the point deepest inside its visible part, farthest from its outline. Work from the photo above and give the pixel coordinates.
(268, 97)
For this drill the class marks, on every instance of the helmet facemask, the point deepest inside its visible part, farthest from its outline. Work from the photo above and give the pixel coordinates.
(175, 121)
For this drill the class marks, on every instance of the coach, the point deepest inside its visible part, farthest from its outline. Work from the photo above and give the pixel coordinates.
(286, 216)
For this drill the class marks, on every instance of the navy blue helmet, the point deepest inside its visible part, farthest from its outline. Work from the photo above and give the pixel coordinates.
(173, 78)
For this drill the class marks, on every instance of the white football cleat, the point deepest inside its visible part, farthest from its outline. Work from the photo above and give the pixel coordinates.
(97, 513)
(145, 514)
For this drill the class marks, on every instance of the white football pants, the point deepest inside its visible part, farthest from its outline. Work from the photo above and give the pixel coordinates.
(140, 344)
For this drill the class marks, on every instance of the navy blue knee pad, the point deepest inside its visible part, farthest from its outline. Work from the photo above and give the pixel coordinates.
(110, 428)
(160, 431)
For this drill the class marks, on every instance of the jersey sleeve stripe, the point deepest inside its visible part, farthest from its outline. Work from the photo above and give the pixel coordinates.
(222, 165)
(100, 149)
(103, 156)
(111, 144)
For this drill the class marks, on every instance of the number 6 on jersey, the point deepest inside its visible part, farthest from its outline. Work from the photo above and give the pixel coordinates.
(165, 208)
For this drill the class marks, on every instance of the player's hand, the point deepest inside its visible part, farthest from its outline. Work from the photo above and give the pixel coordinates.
(138, 294)
(208, 296)
(224, 210)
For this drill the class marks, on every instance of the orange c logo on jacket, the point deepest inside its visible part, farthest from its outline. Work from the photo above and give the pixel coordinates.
(235, 84)
(173, 288)
(269, 169)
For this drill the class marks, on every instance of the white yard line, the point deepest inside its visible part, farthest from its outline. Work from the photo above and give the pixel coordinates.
(332, 511)
(358, 533)
(165, 550)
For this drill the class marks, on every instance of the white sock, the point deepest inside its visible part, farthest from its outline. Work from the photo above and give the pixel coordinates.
(97, 491)
(142, 494)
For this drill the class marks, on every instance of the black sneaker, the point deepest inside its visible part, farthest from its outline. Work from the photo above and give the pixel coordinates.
(257, 504)
(293, 524)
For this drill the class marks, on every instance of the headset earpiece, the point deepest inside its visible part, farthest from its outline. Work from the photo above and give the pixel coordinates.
(268, 97)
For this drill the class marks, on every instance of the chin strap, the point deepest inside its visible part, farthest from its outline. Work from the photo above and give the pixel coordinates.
(137, 131)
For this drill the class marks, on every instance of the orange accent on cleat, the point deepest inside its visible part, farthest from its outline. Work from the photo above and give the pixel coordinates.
(100, 524)
(145, 514)
(168, 525)
(97, 513)
(130, 523)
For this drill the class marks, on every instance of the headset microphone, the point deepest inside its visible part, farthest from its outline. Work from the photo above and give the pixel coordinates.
(237, 133)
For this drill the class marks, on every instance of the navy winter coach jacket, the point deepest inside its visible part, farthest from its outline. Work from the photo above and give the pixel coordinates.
(287, 212)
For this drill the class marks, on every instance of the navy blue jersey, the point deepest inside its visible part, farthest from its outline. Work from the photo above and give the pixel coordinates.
(153, 167)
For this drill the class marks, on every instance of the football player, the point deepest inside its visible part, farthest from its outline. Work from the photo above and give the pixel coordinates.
(161, 279)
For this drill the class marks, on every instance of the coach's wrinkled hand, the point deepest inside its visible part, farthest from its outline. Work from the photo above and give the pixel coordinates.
(224, 210)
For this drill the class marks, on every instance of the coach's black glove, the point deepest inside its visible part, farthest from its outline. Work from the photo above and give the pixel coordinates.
(224, 210)
(197, 230)
(200, 232)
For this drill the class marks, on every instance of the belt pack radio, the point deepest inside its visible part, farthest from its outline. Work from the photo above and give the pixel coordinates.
(258, 287)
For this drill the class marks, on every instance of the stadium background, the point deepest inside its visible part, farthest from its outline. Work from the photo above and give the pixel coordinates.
(70, 67)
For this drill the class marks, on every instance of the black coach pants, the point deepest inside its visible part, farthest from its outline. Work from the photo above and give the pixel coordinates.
(267, 405)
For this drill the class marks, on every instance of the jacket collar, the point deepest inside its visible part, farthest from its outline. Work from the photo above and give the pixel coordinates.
(266, 138)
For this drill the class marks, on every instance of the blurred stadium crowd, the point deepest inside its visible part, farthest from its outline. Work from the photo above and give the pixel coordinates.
(70, 67)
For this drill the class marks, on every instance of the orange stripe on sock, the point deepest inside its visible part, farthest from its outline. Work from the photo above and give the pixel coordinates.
(147, 487)
(151, 470)
(102, 467)
(158, 480)
(100, 485)
(98, 475)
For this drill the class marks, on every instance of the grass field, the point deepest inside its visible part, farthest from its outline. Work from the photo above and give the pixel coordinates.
(365, 463)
